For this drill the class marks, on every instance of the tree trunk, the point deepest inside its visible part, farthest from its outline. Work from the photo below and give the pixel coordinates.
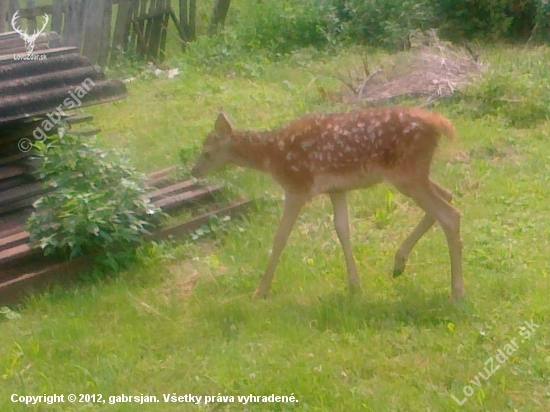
(219, 14)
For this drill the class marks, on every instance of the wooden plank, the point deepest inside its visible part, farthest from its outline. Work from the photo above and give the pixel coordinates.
(57, 15)
(93, 29)
(195, 223)
(148, 24)
(14, 240)
(17, 252)
(15, 42)
(35, 11)
(19, 193)
(12, 291)
(14, 158)
(13, 182)
(122, 25)
(142, 43)
(31, 20)
(160, 193)
(9, 172)
(70, 24)
(192, 22)
(198, 195)
(163, 34)
(162, 172)
(184, 19)
(3, 15)
(105, 48)
(219, 14)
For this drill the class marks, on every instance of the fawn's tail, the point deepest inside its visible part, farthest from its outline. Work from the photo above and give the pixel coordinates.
(440, 123)
(443, 125)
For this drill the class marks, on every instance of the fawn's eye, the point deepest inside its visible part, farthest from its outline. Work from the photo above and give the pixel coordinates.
(206, 155)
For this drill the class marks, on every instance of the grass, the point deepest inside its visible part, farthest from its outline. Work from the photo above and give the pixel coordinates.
(181, 320)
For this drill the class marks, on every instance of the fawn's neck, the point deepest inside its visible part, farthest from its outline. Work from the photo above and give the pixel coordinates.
(251, 149)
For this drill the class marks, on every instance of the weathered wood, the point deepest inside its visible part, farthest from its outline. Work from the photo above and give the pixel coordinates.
(170, 190)
(36, 11)
(164, 33)
(201, 194)
(12, 241)
(181, 32)
(31, 20)
(195, 223)
(219, 14)
(93, 27)
(122, 25)
(105, 34)
(3, 15)
(17, 194)
(184, 19)
(13, 7)
(57, 15)
(13, 290)
(16, 42)
(142, 43)
(192, 20)
(9, 172)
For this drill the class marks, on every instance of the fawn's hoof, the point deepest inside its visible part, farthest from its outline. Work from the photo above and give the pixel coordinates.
(259, 294)
(399, 266)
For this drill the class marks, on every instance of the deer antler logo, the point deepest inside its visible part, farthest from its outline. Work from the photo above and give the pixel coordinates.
(29, 39)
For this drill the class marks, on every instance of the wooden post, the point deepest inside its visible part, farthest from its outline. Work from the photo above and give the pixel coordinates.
(93, 29)
(184, 19)
(31, 21)
(3, 15)
(57, 16)
(192, 20)
(105, 47)
(219, 14)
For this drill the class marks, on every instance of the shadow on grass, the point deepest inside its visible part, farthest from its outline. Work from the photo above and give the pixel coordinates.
(339, 311)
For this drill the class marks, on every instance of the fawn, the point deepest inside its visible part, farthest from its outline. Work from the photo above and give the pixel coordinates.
(337, 152)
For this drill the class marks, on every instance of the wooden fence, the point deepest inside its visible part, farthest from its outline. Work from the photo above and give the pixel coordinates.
(103, 28)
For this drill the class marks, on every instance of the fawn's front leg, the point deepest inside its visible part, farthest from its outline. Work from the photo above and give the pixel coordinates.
(293, 205)
(341, 224)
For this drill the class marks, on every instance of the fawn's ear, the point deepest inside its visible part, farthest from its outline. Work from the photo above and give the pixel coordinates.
(223, 127)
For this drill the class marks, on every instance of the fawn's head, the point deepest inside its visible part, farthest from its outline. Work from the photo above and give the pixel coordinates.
(215, 150)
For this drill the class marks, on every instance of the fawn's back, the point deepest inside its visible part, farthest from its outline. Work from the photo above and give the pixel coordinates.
(342, 151)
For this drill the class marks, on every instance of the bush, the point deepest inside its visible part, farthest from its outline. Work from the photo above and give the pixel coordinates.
(520, 99)
(281, 26)
(384, 23)
(488, 18)
(98, 201)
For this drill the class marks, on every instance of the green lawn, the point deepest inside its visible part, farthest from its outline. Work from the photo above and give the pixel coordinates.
(182, 321)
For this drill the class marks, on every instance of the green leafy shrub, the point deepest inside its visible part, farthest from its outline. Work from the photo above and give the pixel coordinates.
(520, 99)
(281, 26)
(98, 200)
(488, 18)
(385, 23)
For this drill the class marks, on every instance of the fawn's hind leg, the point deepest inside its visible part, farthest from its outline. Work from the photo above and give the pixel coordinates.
(424, 193)
(404, 250)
